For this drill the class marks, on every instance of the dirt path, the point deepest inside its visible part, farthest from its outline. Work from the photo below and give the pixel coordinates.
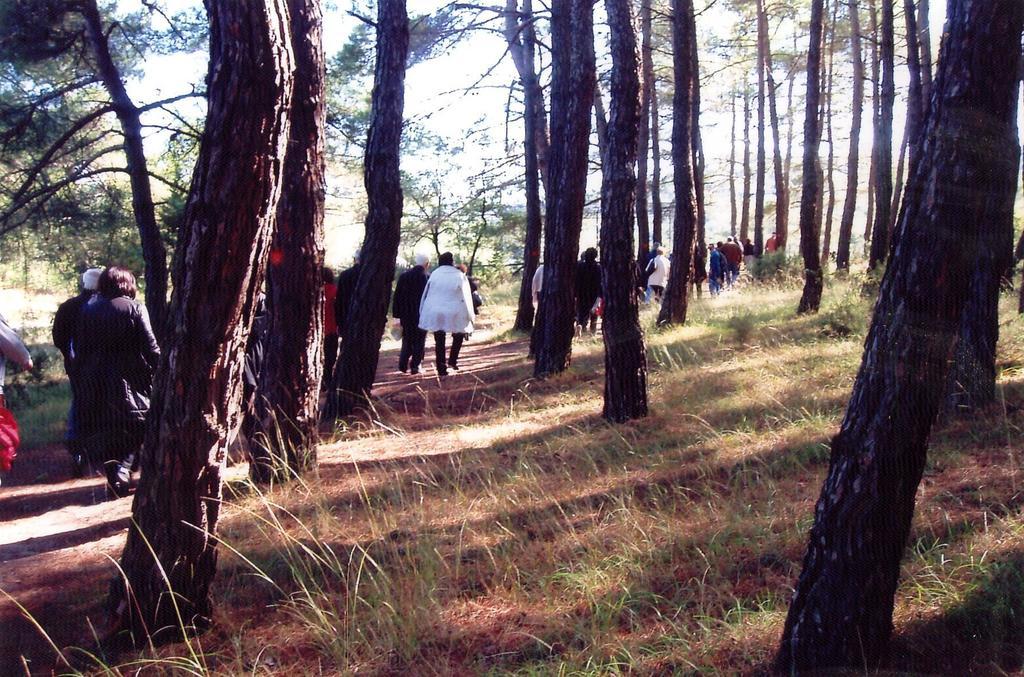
(59, 538)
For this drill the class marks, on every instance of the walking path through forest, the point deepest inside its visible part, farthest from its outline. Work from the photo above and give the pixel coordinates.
(59, 538)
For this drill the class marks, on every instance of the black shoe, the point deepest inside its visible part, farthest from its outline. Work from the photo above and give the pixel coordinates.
(119, 479)
(414, 371)
(453, 366)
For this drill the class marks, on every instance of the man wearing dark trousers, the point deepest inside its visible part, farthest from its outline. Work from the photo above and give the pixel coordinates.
(406, 308)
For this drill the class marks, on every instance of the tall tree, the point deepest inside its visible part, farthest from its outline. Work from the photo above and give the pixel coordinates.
(810, 203)
(360, 344)
(700, 246)
(70, 46)
(745, 198)
(656, 206)
(219, 268)
(643, 228)
(572, 93)
(684, 34)
(882, 144)
(732, 168)
(289, 390)
(924, 40)
(841, 613)
(759, 177)
(917, 105)
(521, 34)
(625, 361)
(853, 160)
(829, 212)
(781, 181)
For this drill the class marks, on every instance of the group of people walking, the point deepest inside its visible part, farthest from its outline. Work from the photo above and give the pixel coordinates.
(110, 355)
(442, 302)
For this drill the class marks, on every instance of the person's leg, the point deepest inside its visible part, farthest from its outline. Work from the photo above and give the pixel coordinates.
(439, 356)
(419, 345)
(406, 352)
(453, 359)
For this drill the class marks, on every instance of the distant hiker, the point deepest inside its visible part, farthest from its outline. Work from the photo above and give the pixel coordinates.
(733, 253)
(717, 267)
(330, 324)
(406, 308)
(11, 348)
(347, 281)
(646, 267)
(658, 270)
(65, 322)
(537, 285)
(748, 254)
(588, 291)
(474, 289)
(116, 357)
(252, 367)
(447, 307)
(772, 245)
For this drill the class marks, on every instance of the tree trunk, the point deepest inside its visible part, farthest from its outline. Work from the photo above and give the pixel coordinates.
(841, 613)
(625, 361)
(732, 170)
(810, 300)
(601, 120)
(572, 93)
(700, 246)
(882, 149)
(128, 115)
(289, 391)
(875, 103)
(924, 41)
(644, 131)
(916, 105)
(218, 273)
(781, 187)
(853, 162)
(684, 226)
(790, 115)
(745, 204)
(656, 208)
(830, 165)
(524, 51)
(360, 343)
(759, 179)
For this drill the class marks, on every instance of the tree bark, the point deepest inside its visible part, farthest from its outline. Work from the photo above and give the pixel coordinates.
(732, 170)
(700, 246)
(218, 273)
(876, 91)
(643, 228)
(572, 94)
(882, 148)
(289, 390)
(154, 254)
(625, 361)
(360, 342)
(841, 613)
(830, 164)
(745, 204)
(853, 161)
(924, 41)
(684, 34)
(781, 185)
(810, 300)
(656, 207)
(524, 51)
(759, 179)
(916, 104)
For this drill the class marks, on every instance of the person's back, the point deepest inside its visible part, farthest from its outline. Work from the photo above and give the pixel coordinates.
(409, 293)
(447, 303)
(660, 268)
(347, 281)
(717, 263)
(588, 282)
(733, 253)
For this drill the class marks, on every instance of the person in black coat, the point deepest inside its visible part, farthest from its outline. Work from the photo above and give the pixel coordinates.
(406, 308)
(588, 289)
(116, 355)
(347, 280)
(65, 324)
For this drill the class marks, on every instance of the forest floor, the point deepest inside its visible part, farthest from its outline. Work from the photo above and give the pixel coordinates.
(492, 523)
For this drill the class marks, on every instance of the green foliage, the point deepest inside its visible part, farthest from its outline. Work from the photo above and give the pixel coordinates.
(776, 267)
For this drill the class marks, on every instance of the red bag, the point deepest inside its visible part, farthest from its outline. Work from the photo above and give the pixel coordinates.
(9, 439)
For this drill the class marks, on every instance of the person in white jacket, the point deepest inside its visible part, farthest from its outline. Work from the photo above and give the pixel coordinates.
(658, 268)
(447, 307)
(11, 348)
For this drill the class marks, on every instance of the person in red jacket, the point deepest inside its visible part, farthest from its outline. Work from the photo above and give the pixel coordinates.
(733, 253)
(330, 324)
